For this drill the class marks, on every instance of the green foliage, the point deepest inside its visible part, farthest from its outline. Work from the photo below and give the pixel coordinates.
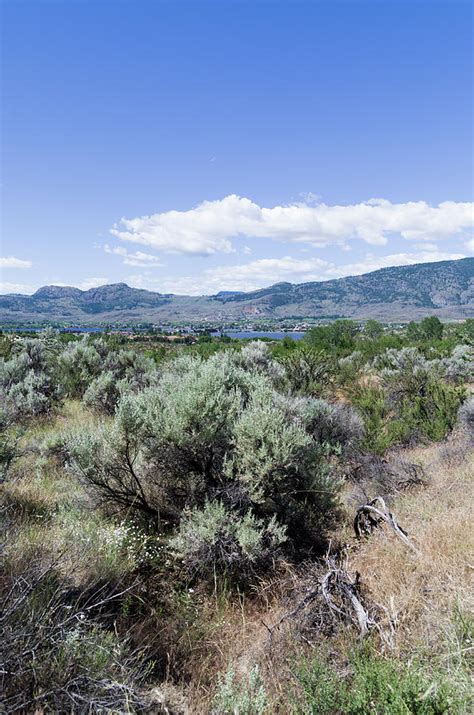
(218, 432)
(6, 346)
(78, 364)
(467, 330)
(27, 381)
(432, 328)
(413, 331)
(376, 685)
(372, 404)
(434, 412)
(307, 369)
(338, 336)
(413, 401)
(9, 451)
(373, 329)
(218, 538)
(102, 393)
(246, 696)
(420, 406)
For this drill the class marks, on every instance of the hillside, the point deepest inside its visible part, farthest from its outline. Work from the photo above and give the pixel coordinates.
(444, 288)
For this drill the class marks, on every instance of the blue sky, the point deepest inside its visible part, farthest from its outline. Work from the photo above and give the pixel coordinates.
(199, 146)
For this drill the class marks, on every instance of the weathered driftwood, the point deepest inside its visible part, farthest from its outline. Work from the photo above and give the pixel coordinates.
(336, 596)
(341, 594)
(371, 515)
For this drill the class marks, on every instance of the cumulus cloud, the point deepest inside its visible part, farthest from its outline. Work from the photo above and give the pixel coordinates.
(210, 227)
(267, 271)
(139, 259)
(12, 262)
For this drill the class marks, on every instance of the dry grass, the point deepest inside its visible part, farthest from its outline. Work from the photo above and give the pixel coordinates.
(37, 485)
(423, 592)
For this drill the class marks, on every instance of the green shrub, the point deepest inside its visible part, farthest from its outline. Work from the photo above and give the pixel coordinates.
(433, 414)
(27, 380)
(217, 432)
(103, 393)
(78, 364)
(306, 369)
(413, 402)
(375, 685)
(9, 451)
(246, 696)
(217, 538)
(372, 404)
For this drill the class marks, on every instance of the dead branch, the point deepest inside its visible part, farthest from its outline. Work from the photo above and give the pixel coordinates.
(371, 515)
(335, 597)
(341, 594)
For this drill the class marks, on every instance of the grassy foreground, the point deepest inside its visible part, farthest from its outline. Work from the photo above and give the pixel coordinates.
(199, 534)
(223, 652)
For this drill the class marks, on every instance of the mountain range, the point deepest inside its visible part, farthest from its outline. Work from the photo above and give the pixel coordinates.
(400, 293)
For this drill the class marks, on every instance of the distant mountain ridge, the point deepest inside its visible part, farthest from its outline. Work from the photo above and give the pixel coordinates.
(444, 288)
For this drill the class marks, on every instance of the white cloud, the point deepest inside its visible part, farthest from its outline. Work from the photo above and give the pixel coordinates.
(209, 227)
(85, 284)
(91, 283)
(12, 262)
(249, 276)
(470, 245)
(139, 259)
(267, 271)
(373, 263)
(6, 287)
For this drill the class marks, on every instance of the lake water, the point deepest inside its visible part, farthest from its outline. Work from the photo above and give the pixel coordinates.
(240, 334)
(256, 334)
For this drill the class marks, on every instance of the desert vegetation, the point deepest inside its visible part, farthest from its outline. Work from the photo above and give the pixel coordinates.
(178, 522)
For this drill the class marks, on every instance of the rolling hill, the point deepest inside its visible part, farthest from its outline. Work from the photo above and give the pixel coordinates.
(401, 293)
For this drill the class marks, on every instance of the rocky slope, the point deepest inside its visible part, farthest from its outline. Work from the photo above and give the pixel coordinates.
(444, 288)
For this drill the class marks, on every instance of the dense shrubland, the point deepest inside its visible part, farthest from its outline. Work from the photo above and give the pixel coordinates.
(150, 497)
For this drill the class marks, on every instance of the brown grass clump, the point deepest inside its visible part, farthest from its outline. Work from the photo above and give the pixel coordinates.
(424, 595)
(423, 592)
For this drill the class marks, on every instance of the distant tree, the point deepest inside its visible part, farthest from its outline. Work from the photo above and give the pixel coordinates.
(413, 331)
(432, 327)
(373, 329)
(343, 333)
(468, 329)
(288, 342)
(337, 336)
